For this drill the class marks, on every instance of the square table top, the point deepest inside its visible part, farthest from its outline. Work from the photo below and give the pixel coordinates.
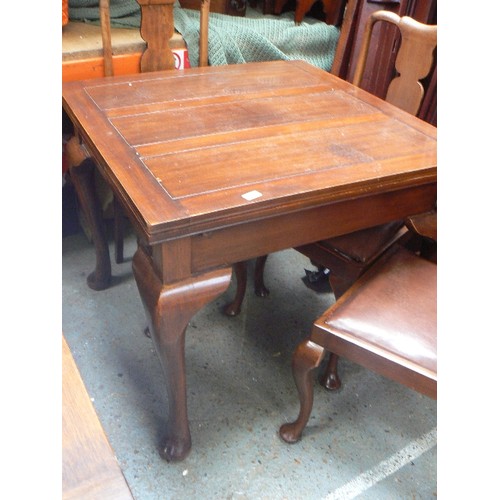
(195, 150)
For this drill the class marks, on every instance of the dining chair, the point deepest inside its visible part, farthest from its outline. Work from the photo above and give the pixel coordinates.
(347, 257)
(386, 322)
(156, 29)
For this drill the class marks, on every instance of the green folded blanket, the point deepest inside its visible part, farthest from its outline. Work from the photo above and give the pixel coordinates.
(232, 39)
(235, 40)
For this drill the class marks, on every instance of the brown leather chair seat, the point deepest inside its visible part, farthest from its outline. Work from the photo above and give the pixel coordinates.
(388, 322)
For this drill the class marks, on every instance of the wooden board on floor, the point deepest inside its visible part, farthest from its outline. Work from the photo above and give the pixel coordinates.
(90, 469)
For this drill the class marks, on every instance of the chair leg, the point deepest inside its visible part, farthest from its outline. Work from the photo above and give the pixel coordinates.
(260, 288)
(234, 307)
(306, 357)
(240, 270)
(118, 228)
(330, 379)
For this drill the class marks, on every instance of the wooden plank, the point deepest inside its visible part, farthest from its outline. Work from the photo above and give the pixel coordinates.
(90, 469)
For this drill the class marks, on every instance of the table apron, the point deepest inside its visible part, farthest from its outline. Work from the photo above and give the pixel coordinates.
(228, 245)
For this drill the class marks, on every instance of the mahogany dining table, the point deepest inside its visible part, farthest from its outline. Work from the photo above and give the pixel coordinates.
(218, 165)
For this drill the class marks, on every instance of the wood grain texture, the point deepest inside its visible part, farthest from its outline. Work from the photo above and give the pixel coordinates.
(90, 469)
(197, 141)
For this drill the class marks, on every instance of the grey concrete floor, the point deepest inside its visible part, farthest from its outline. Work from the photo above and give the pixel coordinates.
(373, 439)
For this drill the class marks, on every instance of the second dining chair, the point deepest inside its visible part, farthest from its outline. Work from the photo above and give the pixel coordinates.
(386, 322)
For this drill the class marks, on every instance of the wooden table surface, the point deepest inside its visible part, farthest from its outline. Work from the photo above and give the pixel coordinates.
(90, 469)
(221, 164)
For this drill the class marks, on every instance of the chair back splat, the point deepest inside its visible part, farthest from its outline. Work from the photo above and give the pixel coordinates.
(413, 62)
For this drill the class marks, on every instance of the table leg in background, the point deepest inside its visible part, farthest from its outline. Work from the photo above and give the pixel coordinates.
(82, 177)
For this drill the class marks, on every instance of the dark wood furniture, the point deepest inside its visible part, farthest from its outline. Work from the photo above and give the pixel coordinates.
(89, 466)
(313, 161)
(385, 322)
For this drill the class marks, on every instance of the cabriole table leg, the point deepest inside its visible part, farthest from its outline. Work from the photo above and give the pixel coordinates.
(168, 309)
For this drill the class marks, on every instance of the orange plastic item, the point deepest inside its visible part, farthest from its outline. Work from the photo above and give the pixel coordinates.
(65, 15)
